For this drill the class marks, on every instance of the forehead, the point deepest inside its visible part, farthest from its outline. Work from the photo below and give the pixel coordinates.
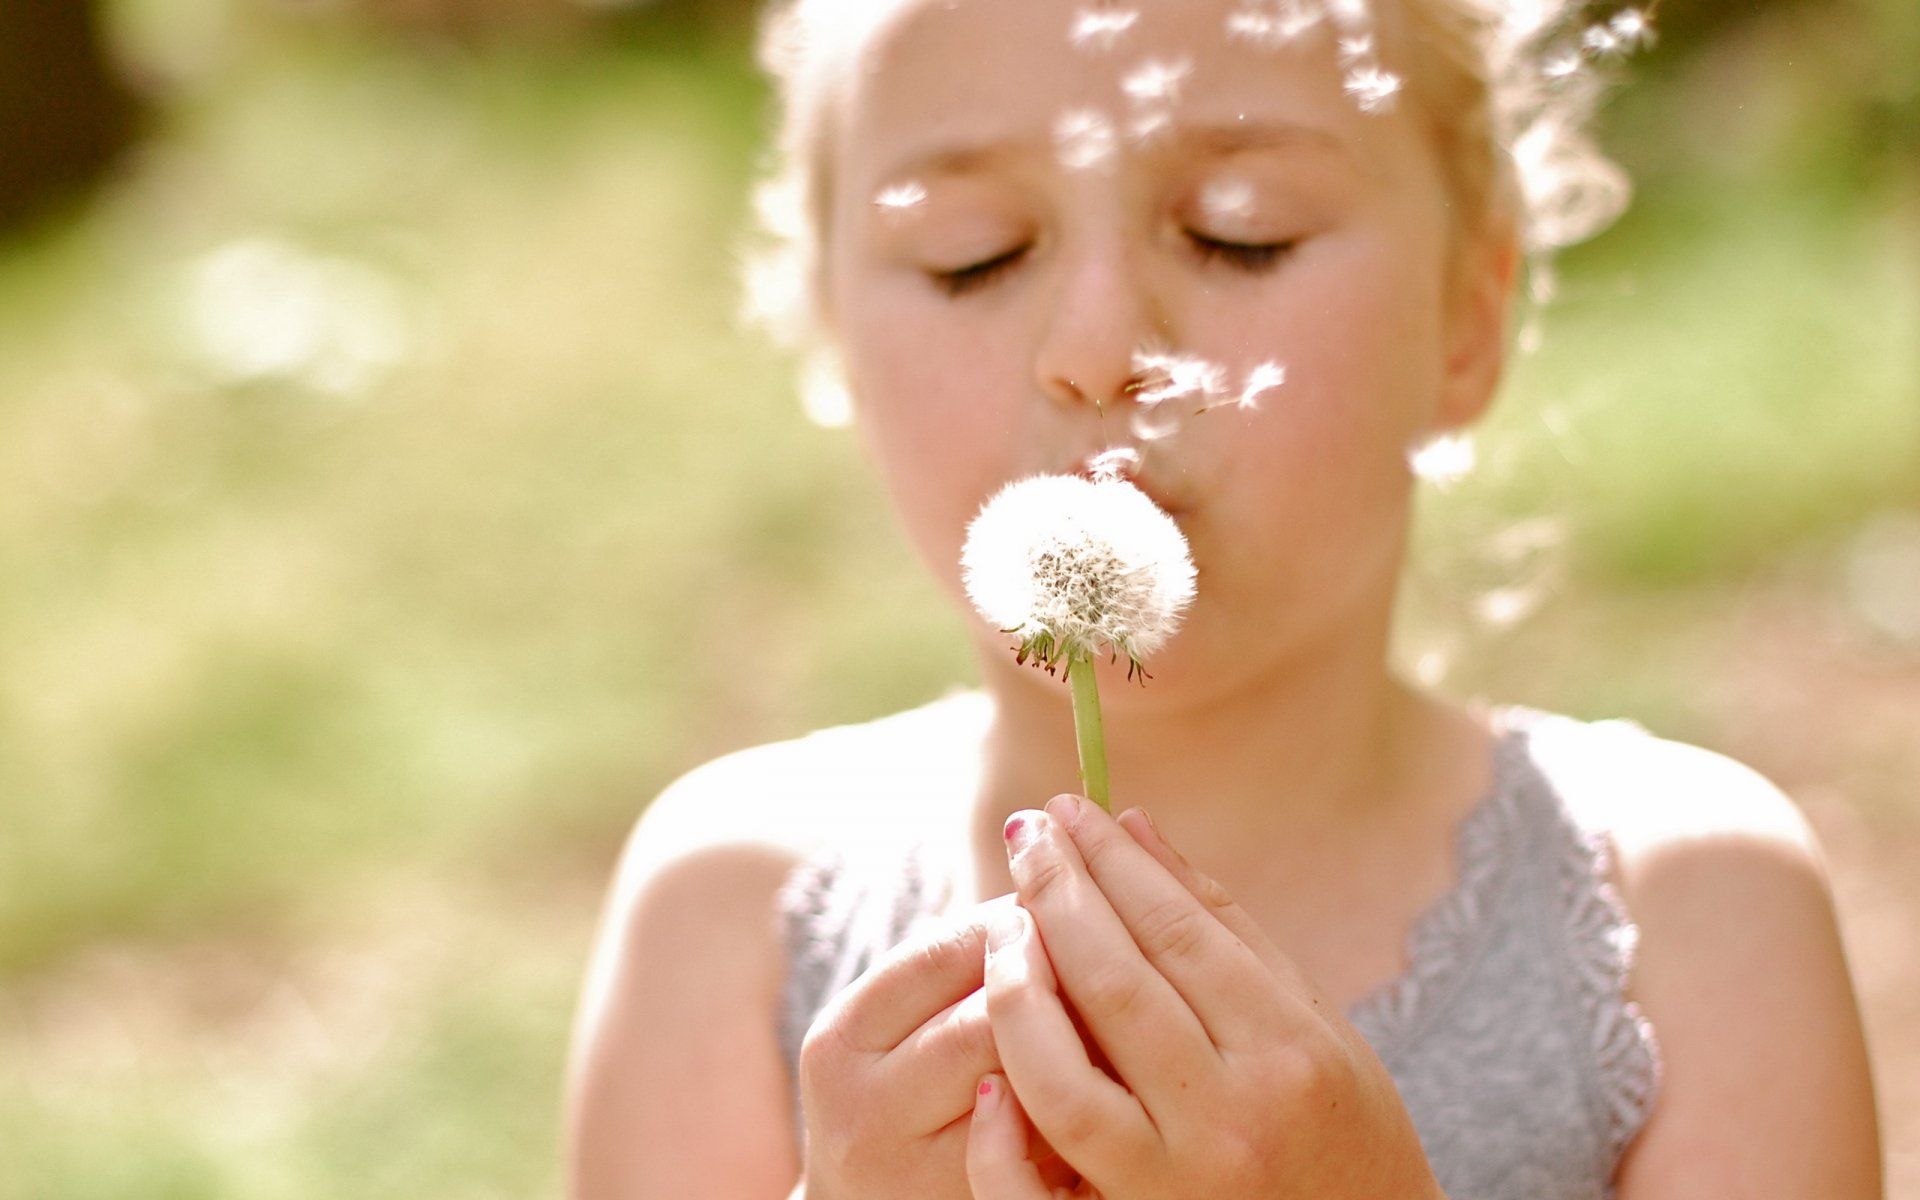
(936, 81)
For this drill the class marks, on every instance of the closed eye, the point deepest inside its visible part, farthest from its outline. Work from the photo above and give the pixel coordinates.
(961, 280)
(1251, 257)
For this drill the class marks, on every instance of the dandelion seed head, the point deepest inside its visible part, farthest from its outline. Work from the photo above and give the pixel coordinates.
(1373, 89)
(1100, 28)
(1272, 29)
(1356, 47)
(1156, 81)
(1263, 378)
(1085, 140)
(1074, 566)
(1165, 376)
(1115, 462)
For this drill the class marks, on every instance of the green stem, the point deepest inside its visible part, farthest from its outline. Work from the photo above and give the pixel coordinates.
(1087, 730)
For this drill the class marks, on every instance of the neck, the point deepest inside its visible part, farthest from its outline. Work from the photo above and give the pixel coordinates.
(1313, 753)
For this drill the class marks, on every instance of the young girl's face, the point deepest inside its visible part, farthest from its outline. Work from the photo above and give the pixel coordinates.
(1017, 215)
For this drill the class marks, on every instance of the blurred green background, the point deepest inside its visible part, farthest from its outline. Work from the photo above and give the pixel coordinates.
(390, 504)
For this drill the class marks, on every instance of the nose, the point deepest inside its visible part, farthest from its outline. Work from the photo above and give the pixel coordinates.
(1102, 312)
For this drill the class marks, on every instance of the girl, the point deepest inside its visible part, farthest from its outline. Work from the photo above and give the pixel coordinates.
(1395, 952)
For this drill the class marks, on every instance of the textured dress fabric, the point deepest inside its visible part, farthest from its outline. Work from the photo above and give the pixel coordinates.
(1524, 1065)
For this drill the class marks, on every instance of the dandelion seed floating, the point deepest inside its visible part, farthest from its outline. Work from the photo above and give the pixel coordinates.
(1069, 567)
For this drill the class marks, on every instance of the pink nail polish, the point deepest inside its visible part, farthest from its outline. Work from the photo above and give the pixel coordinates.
(1020, 830)
(986, 1087)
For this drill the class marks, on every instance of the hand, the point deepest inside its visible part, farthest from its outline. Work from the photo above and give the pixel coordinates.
(888, 1070)
(1230, 1076)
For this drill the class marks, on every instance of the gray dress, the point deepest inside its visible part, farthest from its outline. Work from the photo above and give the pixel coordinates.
(1525, 1068)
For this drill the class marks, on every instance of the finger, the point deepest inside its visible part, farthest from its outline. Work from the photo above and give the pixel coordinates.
(932, 1072)
(1207, 890)
(914, 981)
(999, 1162)
(1138, 1018)
(1077, 1107)
(1221, 979)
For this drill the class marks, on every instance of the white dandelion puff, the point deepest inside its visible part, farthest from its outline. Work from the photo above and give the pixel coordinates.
(1356, 48)
(900, 197)
(1372, 88)
(1156, 81)
(1115, 462)
(1100, 29)
(1166, 376)
(1262, 379)
(1074, 567)
(1085, 140)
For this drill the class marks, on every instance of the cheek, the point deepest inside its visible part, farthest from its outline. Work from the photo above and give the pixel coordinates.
(934, 425)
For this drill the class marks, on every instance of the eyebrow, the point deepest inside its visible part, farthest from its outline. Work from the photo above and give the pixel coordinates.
(1217, 138)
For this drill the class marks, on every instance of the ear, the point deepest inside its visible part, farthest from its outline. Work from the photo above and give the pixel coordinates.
(1476, 335)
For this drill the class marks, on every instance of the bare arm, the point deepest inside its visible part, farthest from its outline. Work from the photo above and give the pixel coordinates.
(1767, 1091)
(677, 1085)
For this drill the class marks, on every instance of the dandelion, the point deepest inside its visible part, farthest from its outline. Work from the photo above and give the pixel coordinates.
(1071, 567)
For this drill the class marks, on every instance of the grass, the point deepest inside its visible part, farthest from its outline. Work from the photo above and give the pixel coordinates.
(330, 676)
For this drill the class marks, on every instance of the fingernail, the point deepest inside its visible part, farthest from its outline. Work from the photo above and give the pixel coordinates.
(1006, 929)
(1065, 807)
(989, 1097)
(1019, 831)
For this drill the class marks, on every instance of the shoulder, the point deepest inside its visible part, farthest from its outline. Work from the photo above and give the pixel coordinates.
(689, 962)
(1667, 805)
(1739, 968)
(877, 782)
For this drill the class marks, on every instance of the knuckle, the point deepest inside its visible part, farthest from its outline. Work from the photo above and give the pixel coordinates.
(1074, 1122)
(1210, 892)
(1048, 879)
(1113, 991)
(1171, 929)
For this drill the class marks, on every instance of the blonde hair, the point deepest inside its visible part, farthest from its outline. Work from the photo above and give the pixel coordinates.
(1508, 87)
